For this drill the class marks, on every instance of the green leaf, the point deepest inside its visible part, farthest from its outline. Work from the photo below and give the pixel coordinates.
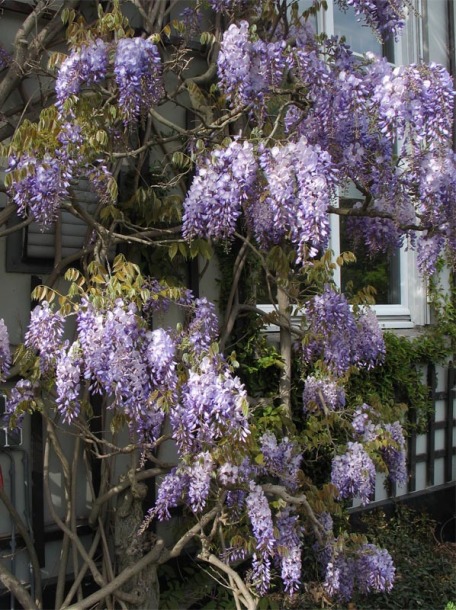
(172, 250)
(259, 459)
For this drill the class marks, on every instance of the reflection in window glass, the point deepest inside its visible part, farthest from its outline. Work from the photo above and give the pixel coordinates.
(359, 36)
(304, 5)
(381, 271)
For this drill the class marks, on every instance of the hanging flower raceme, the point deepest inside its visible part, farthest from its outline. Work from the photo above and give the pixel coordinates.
(394, 454)
(353, 473)
(369, 569)
(127, 362)
(43, 188)
(84, 67)
(263, 529)
(68, 381)
(204, 327)
(414, 104)
(138, 73)
(301, 180)
(213, 402)
(289, 539)
(338, 338)
(5, 352)
(432, 180)
(249, 69)
(21, 395)
(281, 459)
(199, 480)
(45, 333)
(323, 394)
(224, 181)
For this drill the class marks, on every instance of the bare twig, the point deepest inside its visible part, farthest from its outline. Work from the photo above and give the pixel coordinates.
(17, 588)
(119, 488)
(245, 597)
(230, 310)
(285, 350)
(301, 500)
(123, 577)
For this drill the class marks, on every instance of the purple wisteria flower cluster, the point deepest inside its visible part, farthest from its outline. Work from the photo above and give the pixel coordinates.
(5, 352)
(222, 184)
(41, 183)
(204, 327)
(20, 398)
(248, 69)
(213, 402)
(45, 333)
(380, 235)
(301, 180)
(362, 112)
(170, 494)
(115, 354)
(369, 569)
(138, 72)
(84, 67)
(290, 551)
(362, 424)
(394, 454)
(137, 69)
(260, 516)
(353, 473)
(322, 393)
(375, 570)
(281, 459)
(127, 362)
(43, 188)
(393, 448)
(338, 338)
(68, 373)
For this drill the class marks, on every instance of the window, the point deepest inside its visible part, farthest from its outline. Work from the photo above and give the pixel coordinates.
(401, 293)
(33, 250)
(401, 301)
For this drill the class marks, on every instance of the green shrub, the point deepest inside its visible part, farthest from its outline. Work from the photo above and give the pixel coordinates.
(425, 567)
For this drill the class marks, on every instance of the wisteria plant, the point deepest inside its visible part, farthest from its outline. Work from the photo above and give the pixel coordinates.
(228, 123)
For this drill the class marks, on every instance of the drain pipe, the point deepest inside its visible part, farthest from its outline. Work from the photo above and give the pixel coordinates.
(452, 69)
(27, 512)
(12, 481)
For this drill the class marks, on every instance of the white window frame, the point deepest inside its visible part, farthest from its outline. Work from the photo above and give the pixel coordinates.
(413, 309)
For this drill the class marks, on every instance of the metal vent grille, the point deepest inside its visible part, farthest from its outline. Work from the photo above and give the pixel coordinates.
(40, 244)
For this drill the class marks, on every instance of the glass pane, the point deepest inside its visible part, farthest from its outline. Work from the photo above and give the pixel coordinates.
(381, 271)
(359, 36)
(304, 5)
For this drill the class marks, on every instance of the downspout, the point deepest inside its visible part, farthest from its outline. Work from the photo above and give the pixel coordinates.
(12, 491)
(452, 70)
(34, 578)
(449, 474)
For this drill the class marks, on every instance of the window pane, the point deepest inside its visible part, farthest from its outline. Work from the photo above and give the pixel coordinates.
(359, 36)
(304, 5)
(381, 271)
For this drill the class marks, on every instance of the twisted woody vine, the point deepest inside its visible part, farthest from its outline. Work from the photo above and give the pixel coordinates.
(236, 124)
